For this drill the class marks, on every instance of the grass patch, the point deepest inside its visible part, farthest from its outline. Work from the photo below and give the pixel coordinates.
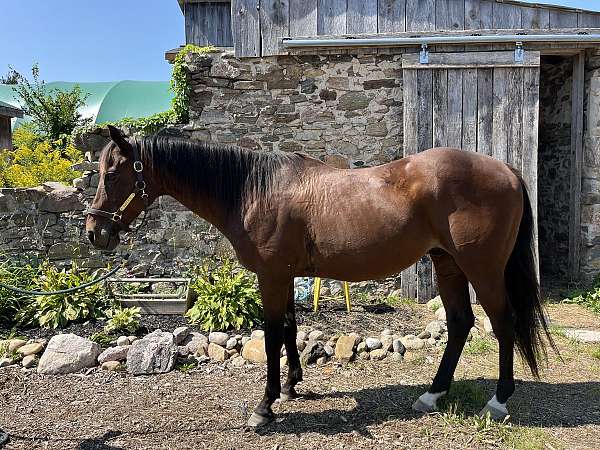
(186, 367)
(486, 431)
(596, 352)
(102, 339)
(395, 300)
(557, 330)
(479, 346)
(464, 396)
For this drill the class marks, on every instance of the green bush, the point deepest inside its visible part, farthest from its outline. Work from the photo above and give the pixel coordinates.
(122, 320)
(589, 299)
(54, 112)
(227, 297)
(58, 310)
(18, 275)
(28, 166)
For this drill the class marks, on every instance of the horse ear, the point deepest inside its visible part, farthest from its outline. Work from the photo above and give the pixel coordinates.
(117, 137)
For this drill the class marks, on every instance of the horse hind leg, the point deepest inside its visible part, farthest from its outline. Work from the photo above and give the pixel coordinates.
(454, 290)
(493, 298)
(290, 330)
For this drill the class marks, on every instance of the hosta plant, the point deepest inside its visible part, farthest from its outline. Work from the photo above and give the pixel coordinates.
(227, 297)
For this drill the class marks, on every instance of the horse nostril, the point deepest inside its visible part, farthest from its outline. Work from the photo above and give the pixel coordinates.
(91, 236)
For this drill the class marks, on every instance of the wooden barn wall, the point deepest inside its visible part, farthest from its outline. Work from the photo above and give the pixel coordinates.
(208, 23)
(260, 24)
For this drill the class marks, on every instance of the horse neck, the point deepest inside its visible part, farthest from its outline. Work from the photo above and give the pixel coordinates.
(204, 204)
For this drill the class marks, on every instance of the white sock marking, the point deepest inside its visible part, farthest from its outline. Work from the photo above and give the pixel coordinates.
(494, 403)
(430, 399)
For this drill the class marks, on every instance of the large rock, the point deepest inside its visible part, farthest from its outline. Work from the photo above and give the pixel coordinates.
(373, 343)
(218, 337)
(217, 352)
(254, 351)
(180, 333)
(155, 353)
(15, 344)
(194, 341)
(313, 351)
(436, 326)
(344, 348)
(68, 353)
(31, 349)
(61, 198)
(118, 353)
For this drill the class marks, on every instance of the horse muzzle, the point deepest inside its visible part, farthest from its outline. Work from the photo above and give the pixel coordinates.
(104, 239)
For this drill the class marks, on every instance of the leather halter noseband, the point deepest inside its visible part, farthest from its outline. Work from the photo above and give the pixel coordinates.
(140, 188)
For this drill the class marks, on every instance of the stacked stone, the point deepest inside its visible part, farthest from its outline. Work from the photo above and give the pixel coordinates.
(346, 110)
(590, 187)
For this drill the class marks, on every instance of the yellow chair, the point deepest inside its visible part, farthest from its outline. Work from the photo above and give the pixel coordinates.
(317, 293)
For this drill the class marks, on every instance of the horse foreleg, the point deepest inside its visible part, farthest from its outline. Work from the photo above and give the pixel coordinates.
(454, 290)
(290, 330)
(274, 295)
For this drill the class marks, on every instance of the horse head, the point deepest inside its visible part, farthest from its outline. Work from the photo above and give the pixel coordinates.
(122, 192)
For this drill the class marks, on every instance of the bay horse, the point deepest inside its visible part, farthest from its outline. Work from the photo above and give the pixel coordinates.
(288, 215)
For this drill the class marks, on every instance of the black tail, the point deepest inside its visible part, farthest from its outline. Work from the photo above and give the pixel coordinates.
(524, 292)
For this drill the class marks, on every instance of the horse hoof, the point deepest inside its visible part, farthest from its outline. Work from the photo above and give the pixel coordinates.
(495, 413)
(427, 403)
(286, 396)
(421, 406)
(258, 420)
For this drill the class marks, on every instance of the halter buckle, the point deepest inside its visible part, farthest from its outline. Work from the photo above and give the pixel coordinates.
(140, 185)
(138, 166)
(116, 217)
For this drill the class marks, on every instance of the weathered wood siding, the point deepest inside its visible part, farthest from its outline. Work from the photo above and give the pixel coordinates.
(270, 20)
(480, 102)
(208, 23)
(5, 133)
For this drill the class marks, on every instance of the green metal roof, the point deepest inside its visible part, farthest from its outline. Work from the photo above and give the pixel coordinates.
(111, 101)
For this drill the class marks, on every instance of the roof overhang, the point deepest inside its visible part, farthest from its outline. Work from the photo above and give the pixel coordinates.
(182, 3)
(10, 111)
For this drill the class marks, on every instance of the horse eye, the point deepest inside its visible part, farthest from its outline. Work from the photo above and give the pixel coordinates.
(110, 177)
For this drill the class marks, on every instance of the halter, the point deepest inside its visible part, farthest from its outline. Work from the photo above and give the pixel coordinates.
(140, 188)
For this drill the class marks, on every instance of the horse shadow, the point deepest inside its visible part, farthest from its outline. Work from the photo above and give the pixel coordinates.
(535, 403)
(100, 443)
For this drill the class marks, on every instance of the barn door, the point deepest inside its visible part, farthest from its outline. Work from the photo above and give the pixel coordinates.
(481, 102)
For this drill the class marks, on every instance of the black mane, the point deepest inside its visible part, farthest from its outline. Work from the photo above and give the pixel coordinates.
(228, 173)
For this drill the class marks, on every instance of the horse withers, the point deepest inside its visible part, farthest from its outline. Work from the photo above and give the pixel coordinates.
(288, 215)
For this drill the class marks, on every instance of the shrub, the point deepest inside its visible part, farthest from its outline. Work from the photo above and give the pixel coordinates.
(21, 276)
(55, 113)
(226, 297)
(58, 310)
(589, 299)
(179, 82)
(29, 166)
(123, 320)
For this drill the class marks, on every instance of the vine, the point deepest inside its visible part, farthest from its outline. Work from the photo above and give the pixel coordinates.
(179, 82)
(179, 111)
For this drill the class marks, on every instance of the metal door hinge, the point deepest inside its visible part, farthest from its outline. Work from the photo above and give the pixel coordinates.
(424, 55)
(519, 53)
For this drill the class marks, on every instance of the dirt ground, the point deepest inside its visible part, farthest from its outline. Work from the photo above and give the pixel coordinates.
(362, 405)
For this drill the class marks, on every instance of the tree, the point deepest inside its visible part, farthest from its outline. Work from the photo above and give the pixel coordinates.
(54, 112)
(11, 77)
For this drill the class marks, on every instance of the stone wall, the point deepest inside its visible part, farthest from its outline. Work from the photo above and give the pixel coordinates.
(554, 168)
(590, 187)
(344, 109)
(48, 222)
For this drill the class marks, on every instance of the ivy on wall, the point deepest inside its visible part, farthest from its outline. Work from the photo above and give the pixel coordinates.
(179, 112)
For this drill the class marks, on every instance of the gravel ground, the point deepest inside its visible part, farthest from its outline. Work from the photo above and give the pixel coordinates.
(362, 405)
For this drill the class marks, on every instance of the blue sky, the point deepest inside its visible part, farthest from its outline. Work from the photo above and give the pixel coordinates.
(97, 40)
(104, 40)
